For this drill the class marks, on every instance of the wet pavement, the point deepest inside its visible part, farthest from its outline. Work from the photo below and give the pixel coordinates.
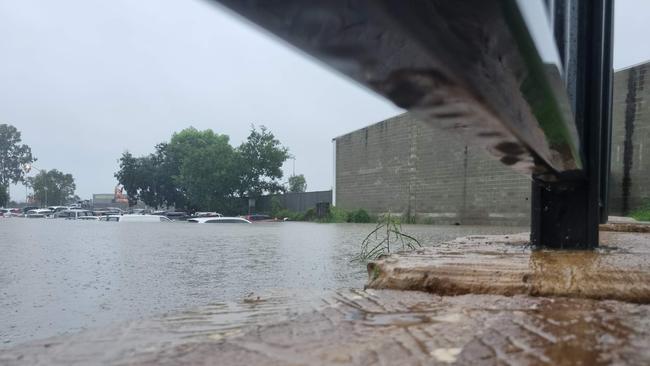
(61, 277)
(356, 327)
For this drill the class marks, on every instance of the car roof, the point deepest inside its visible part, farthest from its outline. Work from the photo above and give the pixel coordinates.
(204, 219)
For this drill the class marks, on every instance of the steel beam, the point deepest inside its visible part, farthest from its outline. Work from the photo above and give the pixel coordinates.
(470, 66)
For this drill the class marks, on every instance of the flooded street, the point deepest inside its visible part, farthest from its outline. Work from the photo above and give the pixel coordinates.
(59, 277)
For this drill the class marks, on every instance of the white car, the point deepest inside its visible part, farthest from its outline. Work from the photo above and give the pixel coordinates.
(135, 218)
(218, 220)
(75, 215)
(38, 213)
(56, 209)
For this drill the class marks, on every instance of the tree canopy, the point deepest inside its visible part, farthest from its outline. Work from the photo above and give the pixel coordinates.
(200, 170)
(297, 183)
(52, 187)
(13, 155)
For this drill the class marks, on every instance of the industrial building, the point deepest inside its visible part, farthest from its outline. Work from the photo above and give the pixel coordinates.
(407, 167)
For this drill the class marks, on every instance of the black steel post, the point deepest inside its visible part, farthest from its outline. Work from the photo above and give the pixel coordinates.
(566, 214)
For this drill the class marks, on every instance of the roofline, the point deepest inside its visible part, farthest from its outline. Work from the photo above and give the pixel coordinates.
(632, 66)
(372, 124)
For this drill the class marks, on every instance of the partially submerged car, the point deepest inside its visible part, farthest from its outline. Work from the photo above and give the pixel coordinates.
(56, 209)
(75, 215)
(207, 214)
(219, 220)
(38, 213)
(10, 212)
(135, 218)
(260, 218)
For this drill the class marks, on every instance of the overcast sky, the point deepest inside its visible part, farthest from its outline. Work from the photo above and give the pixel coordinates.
(85, 80)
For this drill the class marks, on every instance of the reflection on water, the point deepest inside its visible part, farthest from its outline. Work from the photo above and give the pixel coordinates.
(63, 276)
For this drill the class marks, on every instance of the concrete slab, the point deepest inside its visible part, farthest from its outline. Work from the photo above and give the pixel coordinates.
(507, 265)
(626, 225)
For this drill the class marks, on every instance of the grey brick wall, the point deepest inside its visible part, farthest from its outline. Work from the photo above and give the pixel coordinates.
(407, 167)
(404, 166)
(630, 164)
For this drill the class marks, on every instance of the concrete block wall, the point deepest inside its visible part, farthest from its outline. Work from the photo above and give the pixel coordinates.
(630, 163)
(405, 166)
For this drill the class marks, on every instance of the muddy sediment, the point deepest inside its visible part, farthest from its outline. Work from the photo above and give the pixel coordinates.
(506, 265)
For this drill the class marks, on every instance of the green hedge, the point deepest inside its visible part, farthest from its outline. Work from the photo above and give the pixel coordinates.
(336, 215)
(642, 213)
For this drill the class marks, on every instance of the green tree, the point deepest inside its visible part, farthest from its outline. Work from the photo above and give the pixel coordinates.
(150, 179)
(13, 156)
(4, 196)
(52, 187)
(205, 163)
(200, 170)
(260, 159)
(129, 176)
(297, 183)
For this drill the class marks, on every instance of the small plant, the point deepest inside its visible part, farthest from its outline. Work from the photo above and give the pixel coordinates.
(388, 233)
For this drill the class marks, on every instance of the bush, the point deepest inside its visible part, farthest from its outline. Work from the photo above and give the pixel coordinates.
(290, 215)
(360, 216)
(642, 213)
(337, 215)
(276, 206)
(310, 215)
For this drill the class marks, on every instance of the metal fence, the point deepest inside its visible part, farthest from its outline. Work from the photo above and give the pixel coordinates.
(296, 202)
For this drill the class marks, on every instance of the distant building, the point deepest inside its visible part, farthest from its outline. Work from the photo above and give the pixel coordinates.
(101, 200)
(407, 167)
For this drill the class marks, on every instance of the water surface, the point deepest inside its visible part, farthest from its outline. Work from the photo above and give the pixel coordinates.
(59, 276)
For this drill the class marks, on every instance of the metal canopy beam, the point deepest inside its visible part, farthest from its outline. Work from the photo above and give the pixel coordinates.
(488, 70)
(470, 66)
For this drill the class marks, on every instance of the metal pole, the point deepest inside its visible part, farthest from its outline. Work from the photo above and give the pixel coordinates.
(567, 214)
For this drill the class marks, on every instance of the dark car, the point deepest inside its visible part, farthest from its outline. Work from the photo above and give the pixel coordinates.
(29, 208)
(177, 215)
(259, 217)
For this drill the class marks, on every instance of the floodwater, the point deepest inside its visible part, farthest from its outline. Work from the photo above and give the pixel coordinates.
(60, 277)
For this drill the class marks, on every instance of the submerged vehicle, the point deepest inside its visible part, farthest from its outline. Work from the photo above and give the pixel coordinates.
(260, 218)
(29, 208)
(38, 213)
(207, 214)
(10, 212)
(135, 218)
(176, 215)
(75, 215)
(219, 220)
(56, 209)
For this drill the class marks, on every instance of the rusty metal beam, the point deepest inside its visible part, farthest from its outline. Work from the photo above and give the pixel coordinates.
(475, 67)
